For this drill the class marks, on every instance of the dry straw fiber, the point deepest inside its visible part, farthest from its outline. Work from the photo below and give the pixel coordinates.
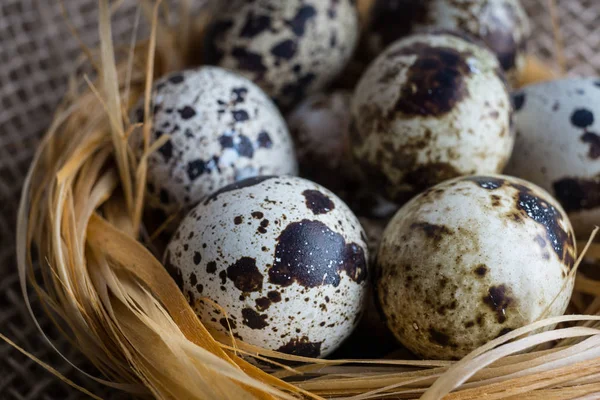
(37, 53)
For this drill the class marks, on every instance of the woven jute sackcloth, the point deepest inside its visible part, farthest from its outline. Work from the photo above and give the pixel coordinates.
(37, 54)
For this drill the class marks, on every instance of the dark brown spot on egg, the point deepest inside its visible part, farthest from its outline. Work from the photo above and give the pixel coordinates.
(211, 267)
(249, 61)
(274, 296)
(582, 118)
(238, 185)
(550, 218)
(245, 275)
(577, 194)
(498, 300)
(317, 202)
(593, 141)
(193, 279)
(227, 323)
(504, 331)
(311, 254)
(495, 200)
(254, 320)
(254, 25)
(223, 276)
(286, 49)
(481, 270)
(298, 23)
(186, 112)
(197, 259)
(257, 215)
(238, 220)
(432, 231)
(434, 81)
(439, 337)
(262, 303)
(301, 347)
(264, 140)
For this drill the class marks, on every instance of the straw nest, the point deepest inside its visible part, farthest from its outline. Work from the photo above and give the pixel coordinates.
(80, 220)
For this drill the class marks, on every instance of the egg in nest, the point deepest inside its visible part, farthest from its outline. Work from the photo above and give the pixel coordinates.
(222, 128)
(472, 259)
(283, 256)
(431, 107)
(289, 48)
(558, 145)
(502, 25)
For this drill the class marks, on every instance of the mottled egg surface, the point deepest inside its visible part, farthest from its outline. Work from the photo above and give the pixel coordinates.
(222, 128)
(319, 127)
(283, 256)
(289, 48)
(501, 24)
(472, 259)
(431, 107)
(558, 145)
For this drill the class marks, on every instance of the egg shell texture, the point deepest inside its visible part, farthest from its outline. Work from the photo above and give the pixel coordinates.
(470, 260)
(502, 25)
(283, 256)
(222, 128)
(289, 48)
(558, 145)
(431, 107)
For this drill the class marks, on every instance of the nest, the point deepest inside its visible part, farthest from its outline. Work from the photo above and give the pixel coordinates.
(80, 219)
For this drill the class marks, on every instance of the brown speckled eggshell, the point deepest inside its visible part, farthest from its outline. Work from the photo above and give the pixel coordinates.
(289, 48)
(283, 256)
(222, 128)
(558, 145)
(431, 107)
(471, 259)
(501, 24)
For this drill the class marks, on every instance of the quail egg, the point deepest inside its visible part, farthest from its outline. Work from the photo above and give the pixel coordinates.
(222, 128)
(289, 48)
(558, 145)
(472, 259)
(501, 24)
(431, 107)
(283, 256)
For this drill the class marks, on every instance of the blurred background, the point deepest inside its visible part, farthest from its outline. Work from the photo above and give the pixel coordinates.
(37, 55)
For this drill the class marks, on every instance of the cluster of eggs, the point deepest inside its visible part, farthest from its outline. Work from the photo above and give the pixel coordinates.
(283, 262)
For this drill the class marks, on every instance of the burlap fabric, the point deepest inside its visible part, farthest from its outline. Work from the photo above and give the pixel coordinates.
(37, 54)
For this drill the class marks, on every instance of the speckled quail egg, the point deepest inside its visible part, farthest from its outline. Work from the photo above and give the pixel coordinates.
(431, 107)
(319, 127)
(471, 259)
(222, 128)
(501, 24)
(283, 256)
(558, 145)
(289, 48)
